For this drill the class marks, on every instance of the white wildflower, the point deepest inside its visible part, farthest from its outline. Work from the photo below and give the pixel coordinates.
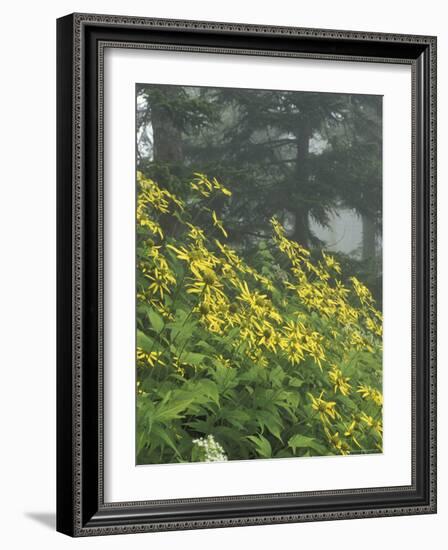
(210, 450)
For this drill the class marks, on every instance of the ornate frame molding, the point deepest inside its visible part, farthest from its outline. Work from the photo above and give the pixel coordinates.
(81, 42)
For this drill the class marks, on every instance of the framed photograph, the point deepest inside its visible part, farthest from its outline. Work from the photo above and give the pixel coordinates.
(246, 274)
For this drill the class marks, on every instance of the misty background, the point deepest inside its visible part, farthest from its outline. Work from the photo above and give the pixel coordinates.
(312, 159)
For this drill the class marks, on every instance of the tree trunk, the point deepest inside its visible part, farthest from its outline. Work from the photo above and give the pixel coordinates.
(302, 226)
(167, 147)
(368, 238)
(301, 209)
(167, 136)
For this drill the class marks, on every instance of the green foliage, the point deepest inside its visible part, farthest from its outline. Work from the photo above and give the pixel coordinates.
(300, 156)
(273, 359)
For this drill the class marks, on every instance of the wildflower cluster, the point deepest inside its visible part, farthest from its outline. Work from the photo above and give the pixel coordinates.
(275, 354)
(209, 450)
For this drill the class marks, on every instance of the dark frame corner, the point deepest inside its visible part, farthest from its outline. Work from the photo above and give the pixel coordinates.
(81, 510)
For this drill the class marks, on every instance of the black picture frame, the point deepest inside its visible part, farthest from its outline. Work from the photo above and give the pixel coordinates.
(81, 510)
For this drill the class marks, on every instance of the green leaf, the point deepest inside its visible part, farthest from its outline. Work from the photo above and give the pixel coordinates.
(181, 332)
(236, 417)
(205, 346)
(284, 453)
(202, 426)
(169, 411)
(141, 440)
(255, 375)
(160, 432)
(225, 378)
(270, 421)
(210, 389)
(194, 359)
(156, 319)
(262, 445)
(200, 391)
(277, 375)
(347, 402)
(300, 441)
(144, 342)
(293, 398)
